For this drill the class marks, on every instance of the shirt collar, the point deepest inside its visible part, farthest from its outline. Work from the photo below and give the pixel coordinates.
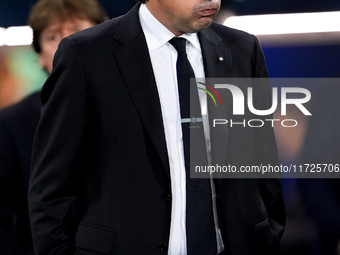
(157, 34)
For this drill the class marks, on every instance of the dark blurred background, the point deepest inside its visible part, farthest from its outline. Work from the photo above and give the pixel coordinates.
(285, 57)
(14, 12)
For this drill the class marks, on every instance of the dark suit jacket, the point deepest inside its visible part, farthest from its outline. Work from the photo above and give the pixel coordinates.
(100, 179)
(17, 128)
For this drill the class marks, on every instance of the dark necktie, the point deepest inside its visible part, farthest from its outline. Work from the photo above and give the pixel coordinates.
(200, 227)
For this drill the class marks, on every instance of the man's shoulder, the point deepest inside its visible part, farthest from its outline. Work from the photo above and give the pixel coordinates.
(99, 32)
(106, 31)
(231, 34)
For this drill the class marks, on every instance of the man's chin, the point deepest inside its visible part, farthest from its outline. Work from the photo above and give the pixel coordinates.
(203, 23)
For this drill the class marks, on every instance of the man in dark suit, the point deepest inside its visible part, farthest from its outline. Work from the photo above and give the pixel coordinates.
(18, 122)
(108, 170)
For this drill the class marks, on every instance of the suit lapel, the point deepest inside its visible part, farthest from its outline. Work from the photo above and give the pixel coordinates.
(217, 64)
(135, 65)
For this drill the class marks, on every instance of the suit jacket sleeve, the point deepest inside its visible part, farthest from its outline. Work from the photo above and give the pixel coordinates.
(266, 153)
(52, 189)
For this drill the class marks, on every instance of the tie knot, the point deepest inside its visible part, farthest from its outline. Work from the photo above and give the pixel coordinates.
(179, 44)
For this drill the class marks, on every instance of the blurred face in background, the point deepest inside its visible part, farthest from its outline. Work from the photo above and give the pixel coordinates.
(52, 35)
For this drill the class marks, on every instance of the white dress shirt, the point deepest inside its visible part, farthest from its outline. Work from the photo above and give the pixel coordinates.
(163, 58)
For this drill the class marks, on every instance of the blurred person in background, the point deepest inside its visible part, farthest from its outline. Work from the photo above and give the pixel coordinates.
(51, 21)
(9, 92)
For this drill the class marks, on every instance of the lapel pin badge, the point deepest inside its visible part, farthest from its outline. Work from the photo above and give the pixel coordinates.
(220, 59)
